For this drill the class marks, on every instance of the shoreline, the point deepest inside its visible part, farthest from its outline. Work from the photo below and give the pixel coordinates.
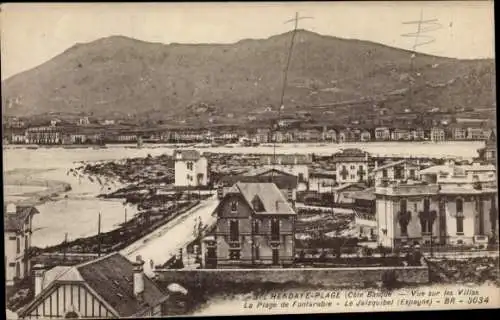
(23, 178)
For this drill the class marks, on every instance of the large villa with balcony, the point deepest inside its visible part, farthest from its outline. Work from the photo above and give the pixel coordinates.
(423, 213)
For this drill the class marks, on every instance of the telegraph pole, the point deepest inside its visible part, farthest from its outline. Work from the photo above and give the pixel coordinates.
(423, 27)
(285, 78)
(99, 235)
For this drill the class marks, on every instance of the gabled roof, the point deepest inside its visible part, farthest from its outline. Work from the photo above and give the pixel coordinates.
(270, 196)
(111, 278)
(14, 222)
(354, 185)
(266, 169)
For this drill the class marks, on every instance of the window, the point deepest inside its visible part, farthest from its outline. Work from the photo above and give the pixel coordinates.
(257, 252)
(353, 176)
(403, 206)
(18, 245)
(384, 173)
(398, 172)
(301, 177)
(276, 256)
(257, 204)
(189, 165)
(353, 167)
(460, 223)
(256, 226)
(234, 254)
(275, 230)
(234, 206)
(234, 232)
(460, 205)
(412, 174)
(427, 205)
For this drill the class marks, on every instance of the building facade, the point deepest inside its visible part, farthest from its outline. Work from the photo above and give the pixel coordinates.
(351, 166)
(438, 134)
(425, 214)
(382, 134)
(255, 226)
(397, 171)
(295, 164)
(191, 169)
(17, 241)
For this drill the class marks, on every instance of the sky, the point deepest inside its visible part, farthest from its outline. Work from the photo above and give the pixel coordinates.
(32, 34)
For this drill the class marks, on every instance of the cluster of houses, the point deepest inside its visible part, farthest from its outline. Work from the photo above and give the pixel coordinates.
(410, 201)
(82, 132)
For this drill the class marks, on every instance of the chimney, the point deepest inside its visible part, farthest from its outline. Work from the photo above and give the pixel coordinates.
(138, 278)
(11, 208)
(39, 271)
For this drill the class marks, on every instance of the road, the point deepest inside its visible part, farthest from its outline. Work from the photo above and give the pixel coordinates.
(165, 241)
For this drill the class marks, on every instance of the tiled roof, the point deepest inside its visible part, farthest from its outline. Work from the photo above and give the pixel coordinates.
(192, 155)
(15, 222)
(266, 169)
(271, 197)
(282, 181)
(111, 277)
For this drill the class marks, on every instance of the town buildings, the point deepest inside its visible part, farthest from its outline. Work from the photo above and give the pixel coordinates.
(399, 134)
(255, 226)
(286, 182)
(426, 214)
(351, 165)
(44, 135)
(17, 241)
(437, 134)
(397, 171)
(460, 175)
(322, 181)
(295, 164)
(475, 133)
(107, 287)
(83, 121)
(382, 134)
(488, 154)
(191, 169)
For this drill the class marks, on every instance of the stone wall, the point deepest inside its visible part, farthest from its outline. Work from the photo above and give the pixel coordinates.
(325, 277)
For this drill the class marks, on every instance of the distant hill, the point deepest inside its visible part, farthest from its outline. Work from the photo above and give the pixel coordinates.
(123, 77)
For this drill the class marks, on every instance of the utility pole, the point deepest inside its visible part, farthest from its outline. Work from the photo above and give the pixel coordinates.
(99, 235)
(125, 214)
(285, 78)
(423, 26)
(65, 246)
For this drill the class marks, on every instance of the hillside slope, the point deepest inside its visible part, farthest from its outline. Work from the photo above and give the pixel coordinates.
(120, 77)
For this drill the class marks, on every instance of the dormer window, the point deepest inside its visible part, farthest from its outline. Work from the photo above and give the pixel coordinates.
(257, 204)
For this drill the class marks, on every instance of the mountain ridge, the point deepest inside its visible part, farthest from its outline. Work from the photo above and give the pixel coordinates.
(122, 76)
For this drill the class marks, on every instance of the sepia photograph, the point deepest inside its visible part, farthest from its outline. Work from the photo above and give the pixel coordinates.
(215, 159)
